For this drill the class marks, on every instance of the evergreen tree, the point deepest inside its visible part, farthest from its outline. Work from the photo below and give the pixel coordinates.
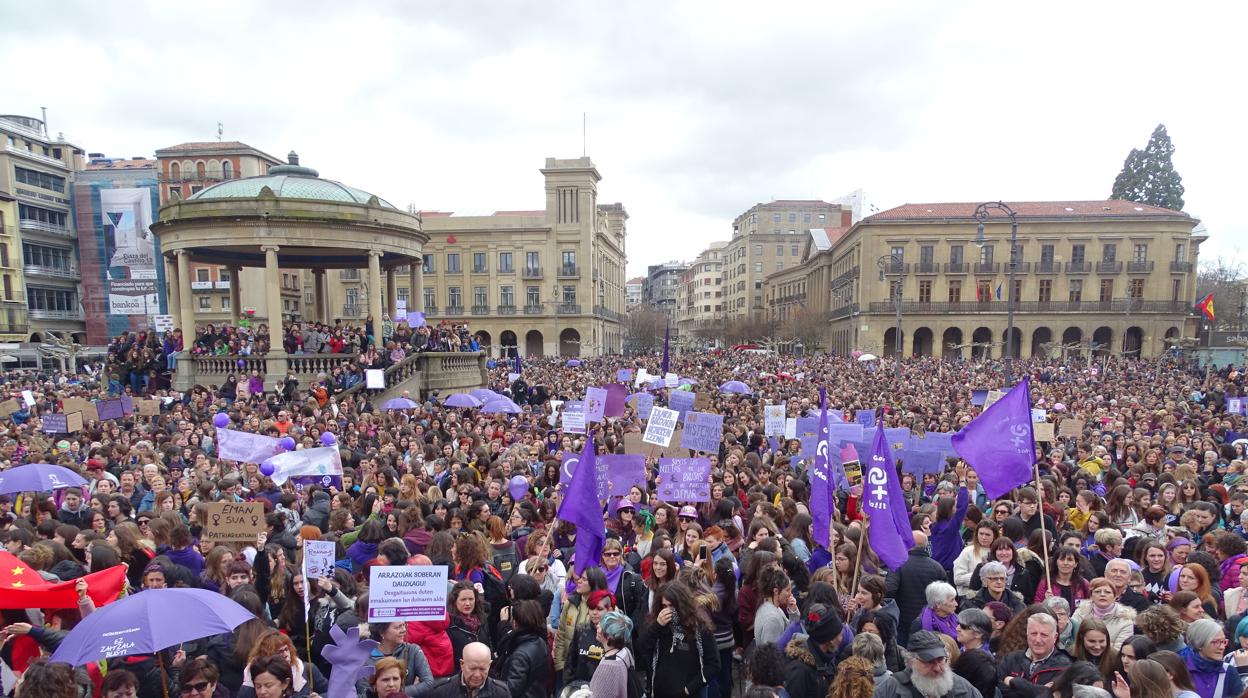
(1148, 176)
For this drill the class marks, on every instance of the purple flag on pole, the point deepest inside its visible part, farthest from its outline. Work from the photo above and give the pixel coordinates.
(667, 339)
(519, 365)
(999, 443)
(582, 507)
(889, 529)
(820, 485)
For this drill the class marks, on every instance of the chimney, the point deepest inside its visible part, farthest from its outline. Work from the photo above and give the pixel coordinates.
(292, 158)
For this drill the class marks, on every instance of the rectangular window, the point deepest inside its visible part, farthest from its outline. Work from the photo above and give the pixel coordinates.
(1180, 252)
(792, 217)
(455, 298)
(478, 262)
(431, 298)
(1046, 290)
(201, 274)
(452, 263)
(225, 302)
(1018, 290)
(532, 260)
(805, 217)
(1136, 289)
(899, 253)
(205, 302)
(1107, 290)
(1109, 252)
(569, 295)
(927, 253)
(353, 297)
(223, 274)
(427, 266)
(780, 250)
(1046, 254)
(43, 180)
(758, 250)
(985, 254)
(1078, 255)
(1076, 290)
(1140, 253)
(925, 291)
(506, 296)
(793, 250)
(775, 218)
(569, 258)
(534, 296)
(983, 291)
(955, 254)
(1176, 289)
(758, 267)
(479, 296)
(504, 262)
(38, 214)
(779, 265)
(955, 291)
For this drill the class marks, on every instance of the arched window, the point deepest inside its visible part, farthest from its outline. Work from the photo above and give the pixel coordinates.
(200, 169)
(175, 171)
(227, 169)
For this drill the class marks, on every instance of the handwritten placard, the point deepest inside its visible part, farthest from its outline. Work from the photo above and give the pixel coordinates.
(229, 521)
(77, 404)
(681, 401)
(1070, 427)
(702, 431)
(684, 479)
(150, 408)
(773, 419)
(661, 426)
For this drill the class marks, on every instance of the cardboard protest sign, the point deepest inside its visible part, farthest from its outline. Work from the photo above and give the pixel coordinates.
(110, 409)
(701, 400)
(10, 406)
(86, 407)
(773, 419)
(993, 396)
(149, 408)
(407, 593)
(1070, 427)
(633, 442)
(574, 417)
(595, 404)
(703, 432)
(681, 401)
(684, 479)
(228, 521)
(1043, 431)
(661, 426)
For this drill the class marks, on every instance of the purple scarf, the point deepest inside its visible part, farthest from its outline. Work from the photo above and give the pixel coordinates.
(935, 623)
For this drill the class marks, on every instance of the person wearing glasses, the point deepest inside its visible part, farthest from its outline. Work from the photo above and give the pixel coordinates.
(1213, 670)
(199, 679)
(927, 672)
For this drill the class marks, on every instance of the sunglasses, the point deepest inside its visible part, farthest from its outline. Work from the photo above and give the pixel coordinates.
(197, 687)
(612, 554)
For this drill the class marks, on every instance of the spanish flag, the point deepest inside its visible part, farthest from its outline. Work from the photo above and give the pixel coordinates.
(22, 587)
(1205, 306)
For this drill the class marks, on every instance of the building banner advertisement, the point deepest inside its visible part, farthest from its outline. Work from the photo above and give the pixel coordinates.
(127, 220)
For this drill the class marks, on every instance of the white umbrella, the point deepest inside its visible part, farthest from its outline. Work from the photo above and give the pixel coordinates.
(868, 357)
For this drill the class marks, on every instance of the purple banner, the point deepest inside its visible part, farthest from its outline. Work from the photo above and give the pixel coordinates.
(595, 404)
(898, 438)
(865, 417)
(703, 432)
(681, 401)
(923, 462)
(843, 432)
(246, 447)
(325, 481)
(614, 474)
(616, 395)
(807, 426)
(127, 405)
(937, 441)
(624, 375)
(836, 417)
(644, 403)
(685, 479)
(110, 409)
(979, 397)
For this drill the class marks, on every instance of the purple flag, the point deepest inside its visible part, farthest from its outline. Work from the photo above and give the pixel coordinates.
(820, 485)
(519, 364)
(246, 447)
(889, 529)
(582, 507)
(616, 395)
(999, 443)
(667, 339)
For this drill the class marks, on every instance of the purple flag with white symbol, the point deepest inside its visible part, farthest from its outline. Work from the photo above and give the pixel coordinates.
(667, 343)
(581, 507)
(889, 530)
(820, 486)
(999, 443)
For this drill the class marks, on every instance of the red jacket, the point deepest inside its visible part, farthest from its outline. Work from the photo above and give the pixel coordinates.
(431, 636)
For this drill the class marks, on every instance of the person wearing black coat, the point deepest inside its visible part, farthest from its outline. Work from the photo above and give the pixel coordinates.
(523, 658)
(678, 646)
(908, 585)
(318, 513)
(975, 664)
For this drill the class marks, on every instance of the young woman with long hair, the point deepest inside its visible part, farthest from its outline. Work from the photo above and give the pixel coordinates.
(1092, 645)
(973, 555)
(678, 645)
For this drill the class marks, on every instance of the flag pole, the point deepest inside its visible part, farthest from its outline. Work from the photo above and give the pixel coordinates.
(863, 542)
(1048, 578)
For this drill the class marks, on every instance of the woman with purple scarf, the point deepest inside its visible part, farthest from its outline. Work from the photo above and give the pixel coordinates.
(941, 613)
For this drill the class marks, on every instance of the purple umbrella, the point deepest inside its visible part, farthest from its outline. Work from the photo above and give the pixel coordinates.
(690, 381)
(399, 403)
(734, 387)
(38, 477)
(461, 400)
(573, 363)
(657, 384)
(501, 404)
(484, 394)
(148, 622)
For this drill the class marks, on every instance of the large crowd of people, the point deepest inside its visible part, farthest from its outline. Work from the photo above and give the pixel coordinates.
(1119, 570)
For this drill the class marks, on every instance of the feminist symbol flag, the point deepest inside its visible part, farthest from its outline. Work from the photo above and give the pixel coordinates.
(889, 531)
(999, 443)
(582, 507)
(820, 482)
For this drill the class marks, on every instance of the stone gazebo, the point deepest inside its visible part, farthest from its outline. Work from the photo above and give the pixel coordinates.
(291, 218)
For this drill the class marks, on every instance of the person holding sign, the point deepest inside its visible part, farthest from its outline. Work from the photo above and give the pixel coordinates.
(390, 637)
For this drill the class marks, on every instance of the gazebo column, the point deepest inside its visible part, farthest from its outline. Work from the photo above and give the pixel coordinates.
(318, 289)
(275, 360)
(175, 291)
(185, 307)
(375, 291)
(416, 285)
(236, 295)
(392, 294)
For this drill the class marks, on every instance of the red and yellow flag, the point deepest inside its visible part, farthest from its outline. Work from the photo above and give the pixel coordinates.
(1205, 306)
(22, 587)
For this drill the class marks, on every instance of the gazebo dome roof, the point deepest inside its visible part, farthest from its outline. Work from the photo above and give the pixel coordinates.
(289, 182)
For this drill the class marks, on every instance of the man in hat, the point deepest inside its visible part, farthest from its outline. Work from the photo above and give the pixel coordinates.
(813, 656)
(927, 673)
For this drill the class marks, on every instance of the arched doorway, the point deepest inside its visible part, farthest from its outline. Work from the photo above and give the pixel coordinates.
(1102, 341)
(569, 343)
(1013, 343)
(981, 344)
(1041, 337)
(507, 344)
(1072, 338)
(36, 337)
(951, 343)
(533, 343)
(483, 338)
(1133, 341)
(923, 341)
(890, 342)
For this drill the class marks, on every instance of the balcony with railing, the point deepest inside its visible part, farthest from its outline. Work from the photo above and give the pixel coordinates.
(843, 312)
(351, 310)
(431, 309)
(455, 310)
(531, 273)
(208, 176)
(1120, 305)
(926, 268)
(480, 310)
(1047, 267)
(568, 309)
(1180, 267)
(532, 310)
(569, 271)
(55, 272)
(44, 314)
(1019, 267)
(957, 267)
(896, 268)
(482, 269)
(609, 314)
(506, 310)
(1139, 267)
(847, 276)
(1078, 267)
(41, 227)
(1109, 267)
(987, 267)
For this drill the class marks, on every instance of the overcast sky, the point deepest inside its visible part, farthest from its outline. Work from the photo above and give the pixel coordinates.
(697, 111)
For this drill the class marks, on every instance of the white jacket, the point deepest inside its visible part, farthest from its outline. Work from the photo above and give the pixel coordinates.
(964, 566)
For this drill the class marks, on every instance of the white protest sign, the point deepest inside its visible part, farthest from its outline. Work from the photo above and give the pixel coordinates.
(574, 416)
(406, 593)
(661, 426)
(29, 398)
(162, 323)
(318, 559)
(375, 379)
(642, 378)
(513, 377)
(671, 380)
(774, 419)
(790, 428)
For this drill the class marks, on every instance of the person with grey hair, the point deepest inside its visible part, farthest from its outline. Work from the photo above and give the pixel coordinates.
(940, 614)
(927, 672)
(976, 664)
(1060, 609)
(1024, 673)
(1212, 674)
(993, 575)
(870, 647)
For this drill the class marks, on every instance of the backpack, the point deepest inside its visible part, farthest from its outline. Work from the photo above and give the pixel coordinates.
(493, 588)
(507, 560)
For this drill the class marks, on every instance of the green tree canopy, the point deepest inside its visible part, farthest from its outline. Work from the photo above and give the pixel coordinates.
(1148, 176)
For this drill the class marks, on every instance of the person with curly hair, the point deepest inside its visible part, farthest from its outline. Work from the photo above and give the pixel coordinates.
(855, 677)
(1163, 626)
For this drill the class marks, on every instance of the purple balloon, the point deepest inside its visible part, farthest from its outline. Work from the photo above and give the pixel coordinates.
(242, 364)
(222, 420)
(518, 487)
(328, 438)
(288, 443)
(266, 469)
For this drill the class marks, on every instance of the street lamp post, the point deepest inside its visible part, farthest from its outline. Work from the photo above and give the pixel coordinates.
(983, 213)
(894, 263)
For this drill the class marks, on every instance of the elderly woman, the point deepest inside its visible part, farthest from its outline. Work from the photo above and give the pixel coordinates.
(1118, 618)
(387, 680)
(992, 575)
(976, 663)
(940, 614)
(1211, 675)
(1065, 629)
(199, 678)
